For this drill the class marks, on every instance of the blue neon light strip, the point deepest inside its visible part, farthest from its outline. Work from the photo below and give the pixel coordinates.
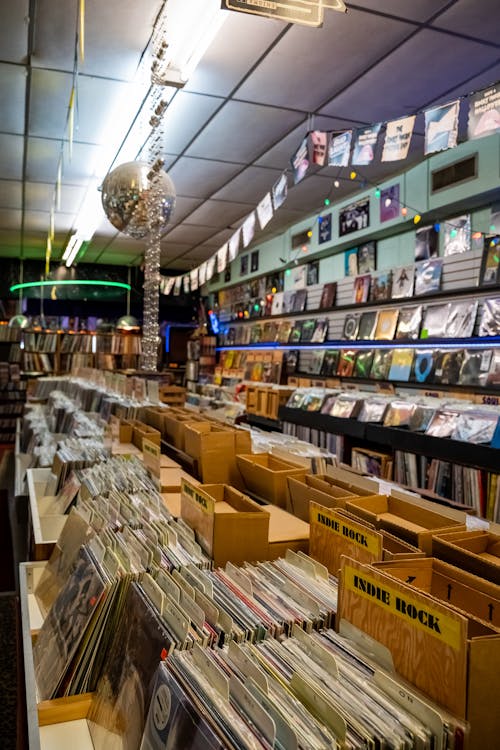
(472, 343)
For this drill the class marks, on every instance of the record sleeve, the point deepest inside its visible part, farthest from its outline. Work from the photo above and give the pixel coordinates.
(399, 413)
(320, 331)
(381, 285)
(401, 364)
(299, 301)
(489, 273)
(443, 423)
(457, 235)
(284, 331)
(328, 296)
(373, 409)
(277, 306)
(316, 362)
(475, 426)
(296, 332)
(296, 399)
(434, 321)
(330, 363)
(386, 324)
(493, 378)
(423, 366)
(346, 406)
(490, 318)
(288, 301)
(173, 721)
(475, 366)
(351, 325)
(461, 319)
(381, 364)
(402, 282)
(426, 243)
(367, 325)
(421, 417)
(307, 332)
(256, 334)
(363, 363)
(447, 366)
(346, 363)
(367, 257)
(428, 276)
(291, 359)
(409, 322)
(313, 400)
(361, 289)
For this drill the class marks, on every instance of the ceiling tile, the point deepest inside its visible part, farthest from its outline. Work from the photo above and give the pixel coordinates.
(391, 89)
(12, 96)
(11, 156)
(188, 233)
(50, 92)
(309, 195)
(10, 218)
(217, 214)
(14, 30)
(39, 221)
(420, 11)
(470, 17)
(199, 178)
(293, 74)
(10, 194)
(245, 186)
(43, 159)
(248, 131)
(40, 196)
(183, 207)
(185, 116)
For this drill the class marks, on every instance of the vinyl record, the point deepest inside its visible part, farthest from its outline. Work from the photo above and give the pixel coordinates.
(423, 365)
(351, 324)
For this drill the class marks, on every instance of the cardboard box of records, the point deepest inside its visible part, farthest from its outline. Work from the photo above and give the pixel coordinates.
(318, 488)
(173, 426)
(477, 551)
(266, 476)
(214, 448)
(229, 526)
(174, 395)
(286, 532)
(442, 628)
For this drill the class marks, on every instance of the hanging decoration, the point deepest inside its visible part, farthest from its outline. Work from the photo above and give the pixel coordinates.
(398, 135)
(441, 127)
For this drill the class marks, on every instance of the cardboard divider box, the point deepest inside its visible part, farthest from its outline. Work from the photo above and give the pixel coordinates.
(314, 488)
(285, 532)
(450, 585)
(475, 551)
(173, 425)
(266, 476)
(229, 526)
(403, 518)
(213, 448)
(142, 431)
(125, 431)
(153, 416)
(450, 655)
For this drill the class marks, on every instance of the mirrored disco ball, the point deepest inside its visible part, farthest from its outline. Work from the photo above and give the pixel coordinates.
(136, 199)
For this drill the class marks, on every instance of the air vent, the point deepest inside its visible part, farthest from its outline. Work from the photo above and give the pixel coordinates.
(454, 174)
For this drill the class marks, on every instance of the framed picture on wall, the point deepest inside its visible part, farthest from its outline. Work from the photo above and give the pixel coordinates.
(254, 261)
(354, 217)
(243, 265)
(367, 257)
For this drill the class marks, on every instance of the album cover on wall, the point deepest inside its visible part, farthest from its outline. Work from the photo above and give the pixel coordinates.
(490, 318)
(328, 296)
(435, 320)
(402, 282)
(367, 325)
(361, 289)
(296, 332)
(475, 366)
(307, 331)
(351, 262)
(363, 363)
(346, 363)
(312, 273)
(320, 331)
(351, 325)
(381, 284)
(423, 365)
(428, 276)
(401, 364)
(381, 364)
(457, 235)
(489, 273)
(299, 301)
(447, 367)
(461, 319)
(330, 363)
(367, 257)
(426, 243)
(324, 229)
(409, 322)
(354, 217)
(316, 362)
(493, 378)
(288, 301)
(386, 324)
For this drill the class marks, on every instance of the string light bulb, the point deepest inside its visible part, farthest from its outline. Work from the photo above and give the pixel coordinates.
(377, 192)
(453, 233)
(310, 234)
(387, 202)
(304, 248)
(437, 226)
(327, 201)
(353, 175)
(404, 211)
(336, 184)
(417, 218)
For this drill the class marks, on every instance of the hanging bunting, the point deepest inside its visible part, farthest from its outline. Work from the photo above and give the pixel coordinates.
(167, 284)
(365, 145)
(248, 229)
(51, 227)
(300, 162)
(339, 149)
(441, 127)
(221, 256)
(265, 210)
(398, 138)
(185, 284)
(484, 112)
(234, 245)
(202, 273)
(211, 267)
(280, 191)
(81, 30)
(71, 121)
(193, 276)
(318, 143)
(177, 285)
(58, 184)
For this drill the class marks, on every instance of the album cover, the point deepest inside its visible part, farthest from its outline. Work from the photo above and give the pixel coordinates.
(373, 409)
(475, 366)
(320, 331)
(291, 361)
(461, 319)
(351, 325)
(299, 276)
(401, 364)
(299, 301)
(428, 276)
(434, 322)
(328, 296)
(489, 274)
(399, 413)
(367, 325)
(173, 721)
(402, 282)
(296, 332)
(409, 322)
(330, 363)
(307, 330)
(457, 235)
(351, 262)
(296, 399)
(284, 331)
(389, 203)
(120, 704)
(447, 366)
(269, 331)
(367, 257)
(476, 427)
(380, 288)
(493, 378)
(423, 366)
(256, 334)
(316, 360)
(354, 217)
(363, 363)
(346, 406)
(386, 324)
(490, 318)
(381, 364)
(313, 400)
(288, 301)
(268, 308)
(426, 243)
(346, 363)
(421, 417)
(324, 229)
(312, 273)
(361, 288)
(443, 423)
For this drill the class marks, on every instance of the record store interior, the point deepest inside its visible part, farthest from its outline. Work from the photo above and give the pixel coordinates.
(249, 375)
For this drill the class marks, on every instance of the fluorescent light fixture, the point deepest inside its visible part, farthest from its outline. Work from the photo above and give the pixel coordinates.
(70, 282)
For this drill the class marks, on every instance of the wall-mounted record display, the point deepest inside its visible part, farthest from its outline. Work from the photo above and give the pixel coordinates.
(423, 366)
(367, 325)
(363, 364)
(490, 318)
(351, 325)
(381, 364)
(461, 319)
(447, 366)
(475, 367)
(409, 322)
(403, 280)
(428, 276)
(434, 321)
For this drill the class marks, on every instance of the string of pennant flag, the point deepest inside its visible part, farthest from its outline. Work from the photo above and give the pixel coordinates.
(355, 148)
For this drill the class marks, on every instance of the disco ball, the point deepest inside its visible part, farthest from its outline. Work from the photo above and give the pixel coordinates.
(137, 198)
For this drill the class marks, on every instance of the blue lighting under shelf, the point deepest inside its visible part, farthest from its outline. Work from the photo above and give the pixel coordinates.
(486, 342)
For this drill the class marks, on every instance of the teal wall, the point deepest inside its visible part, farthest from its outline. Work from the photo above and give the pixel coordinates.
(395, 239)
